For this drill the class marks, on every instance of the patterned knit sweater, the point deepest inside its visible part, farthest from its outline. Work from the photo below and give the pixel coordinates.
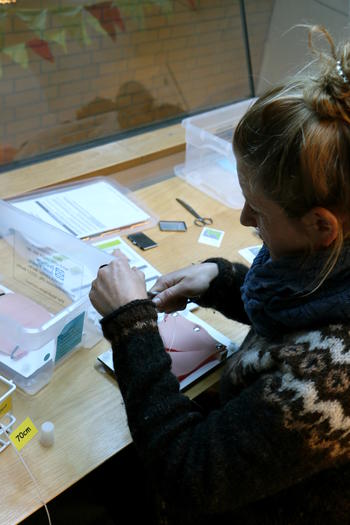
(277, 449)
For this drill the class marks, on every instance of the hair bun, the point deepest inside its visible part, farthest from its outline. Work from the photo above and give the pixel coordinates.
(328, 90)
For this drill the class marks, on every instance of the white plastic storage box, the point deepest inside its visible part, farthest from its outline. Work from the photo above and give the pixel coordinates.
(210, 164)
(45, 312)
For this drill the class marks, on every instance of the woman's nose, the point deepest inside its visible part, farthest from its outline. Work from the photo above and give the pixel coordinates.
(247, 217)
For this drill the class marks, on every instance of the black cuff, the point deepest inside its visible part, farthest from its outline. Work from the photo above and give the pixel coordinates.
(129, 314)
(222, 280)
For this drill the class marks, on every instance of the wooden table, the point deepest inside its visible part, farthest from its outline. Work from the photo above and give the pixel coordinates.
(82, 399)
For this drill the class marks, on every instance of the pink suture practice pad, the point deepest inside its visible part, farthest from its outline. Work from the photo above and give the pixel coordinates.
(190, 346)
(28, 313)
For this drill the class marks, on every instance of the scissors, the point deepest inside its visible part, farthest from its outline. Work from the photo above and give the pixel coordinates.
(199, 221)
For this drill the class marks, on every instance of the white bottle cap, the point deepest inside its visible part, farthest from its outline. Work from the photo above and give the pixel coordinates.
(47, 434)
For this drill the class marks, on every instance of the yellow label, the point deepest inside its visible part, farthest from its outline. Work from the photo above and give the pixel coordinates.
(5, 406)
(23, 434)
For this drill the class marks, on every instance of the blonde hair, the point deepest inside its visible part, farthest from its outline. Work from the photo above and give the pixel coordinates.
(295, 140)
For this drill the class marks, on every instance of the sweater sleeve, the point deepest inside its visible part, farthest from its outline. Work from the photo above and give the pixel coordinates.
(224, 294)
(202, 464)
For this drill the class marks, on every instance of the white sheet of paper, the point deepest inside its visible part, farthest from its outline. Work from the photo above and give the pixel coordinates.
(85, 210)
(135, 259)
(114, 243)
(250, 252)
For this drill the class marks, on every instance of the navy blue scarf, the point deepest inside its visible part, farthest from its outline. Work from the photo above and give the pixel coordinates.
(274, 292)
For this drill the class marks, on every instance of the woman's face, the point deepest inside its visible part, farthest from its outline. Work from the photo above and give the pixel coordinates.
(281, 234)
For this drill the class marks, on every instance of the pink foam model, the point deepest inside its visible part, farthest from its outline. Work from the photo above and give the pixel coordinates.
(26, 312)
(190, 346)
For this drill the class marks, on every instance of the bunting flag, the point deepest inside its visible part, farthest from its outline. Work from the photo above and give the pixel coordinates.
(108, 16)
(77, 29)
(17, 53)
(41, 48)
(102, 17)
(35, 19)
(58, 36)
(116, 17)
(94, 23)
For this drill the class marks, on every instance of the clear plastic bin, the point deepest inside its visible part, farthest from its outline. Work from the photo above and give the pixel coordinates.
(45, 311)
(210, 164)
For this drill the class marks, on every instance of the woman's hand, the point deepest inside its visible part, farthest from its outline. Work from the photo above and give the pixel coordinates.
(116, 285)
(172, 290)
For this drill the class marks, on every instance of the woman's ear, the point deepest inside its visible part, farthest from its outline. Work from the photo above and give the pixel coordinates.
(322, 226)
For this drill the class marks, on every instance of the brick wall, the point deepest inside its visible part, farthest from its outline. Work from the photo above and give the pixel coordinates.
(164, 64)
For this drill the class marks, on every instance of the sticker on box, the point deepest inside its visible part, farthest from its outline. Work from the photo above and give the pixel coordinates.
(70, 336)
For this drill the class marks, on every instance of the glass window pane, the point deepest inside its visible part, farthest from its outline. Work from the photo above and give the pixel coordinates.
(75, 73)
(285, 50)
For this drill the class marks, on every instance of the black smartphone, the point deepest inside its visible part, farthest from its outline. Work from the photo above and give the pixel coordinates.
(172, 226)
(142, 241)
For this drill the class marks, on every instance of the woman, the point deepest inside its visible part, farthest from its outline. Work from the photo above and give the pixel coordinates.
(277, 448)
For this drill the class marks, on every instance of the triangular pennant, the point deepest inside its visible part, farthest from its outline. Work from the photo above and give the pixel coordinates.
(58, 36)
(107, 16)
(36, 19)
(116, 18)
(41, 48)
(95, 24)
(109, 27)
(18, 53)
(73, 24)
(78, 31)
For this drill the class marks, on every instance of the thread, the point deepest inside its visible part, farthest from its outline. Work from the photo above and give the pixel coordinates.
(32, 477)
(173, 334)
